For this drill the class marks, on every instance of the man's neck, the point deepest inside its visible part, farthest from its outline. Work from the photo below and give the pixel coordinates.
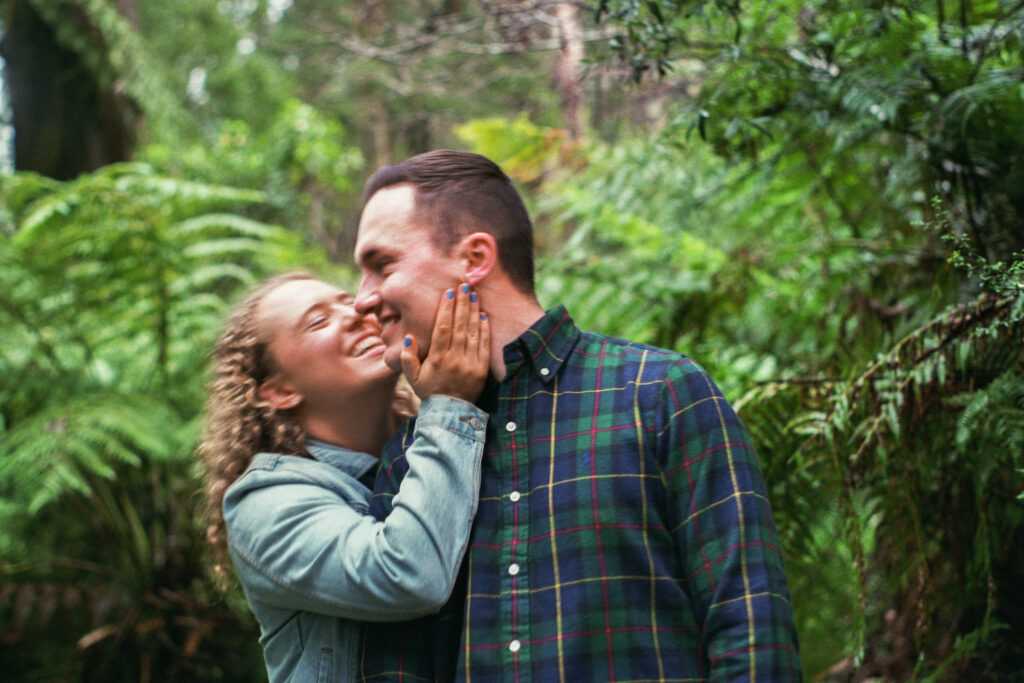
(510, 314)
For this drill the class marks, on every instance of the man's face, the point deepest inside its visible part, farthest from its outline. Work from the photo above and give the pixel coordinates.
(321, 347)
(403, 273)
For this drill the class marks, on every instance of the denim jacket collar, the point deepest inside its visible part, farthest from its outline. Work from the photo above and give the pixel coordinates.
(350, 462)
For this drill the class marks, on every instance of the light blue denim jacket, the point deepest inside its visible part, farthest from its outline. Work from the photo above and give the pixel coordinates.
(312, 561)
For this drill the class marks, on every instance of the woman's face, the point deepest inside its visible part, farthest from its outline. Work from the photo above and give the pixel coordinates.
(321, 348)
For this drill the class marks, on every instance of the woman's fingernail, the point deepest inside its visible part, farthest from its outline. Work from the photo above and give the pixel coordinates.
(450, 294)
(465, 289)
(472, 298)
(408, 341)
(483, 316)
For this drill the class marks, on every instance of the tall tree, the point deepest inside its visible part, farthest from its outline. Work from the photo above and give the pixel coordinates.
(70, 110)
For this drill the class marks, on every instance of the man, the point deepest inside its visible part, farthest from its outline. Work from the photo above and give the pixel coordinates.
(623, 531)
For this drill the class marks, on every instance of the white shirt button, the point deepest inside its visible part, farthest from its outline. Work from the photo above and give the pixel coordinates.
(514, 646)
(545, 372)
(510, 426)
(513, 569)
(514, 496)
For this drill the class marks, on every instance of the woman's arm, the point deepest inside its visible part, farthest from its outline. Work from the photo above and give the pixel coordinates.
(299, 532)
(299, 544)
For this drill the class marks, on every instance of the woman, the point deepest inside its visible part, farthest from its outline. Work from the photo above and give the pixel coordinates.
(301, 404)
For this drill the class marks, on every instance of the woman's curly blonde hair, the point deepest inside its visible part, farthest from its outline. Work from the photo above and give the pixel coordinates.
(239, 422)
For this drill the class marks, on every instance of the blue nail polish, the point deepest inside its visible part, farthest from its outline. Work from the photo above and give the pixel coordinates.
(408, 341)
(465, 289)
(450, 294)
(483, 316)
(472, 297)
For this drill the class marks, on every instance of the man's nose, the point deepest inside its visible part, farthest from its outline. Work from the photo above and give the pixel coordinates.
(367, 299)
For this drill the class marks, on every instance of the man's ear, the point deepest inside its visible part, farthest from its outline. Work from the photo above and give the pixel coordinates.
(278, 393)
(477, 255)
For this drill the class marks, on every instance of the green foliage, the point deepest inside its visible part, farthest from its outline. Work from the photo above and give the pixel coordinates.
(1004, 278)
(870, 395)
(301, 164)
(852, 115)
(653, 28)
(774, 229)
(207, 52)
(112, 288)
(908, 100)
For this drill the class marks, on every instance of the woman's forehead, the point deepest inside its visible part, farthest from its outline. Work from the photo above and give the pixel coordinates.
(291, 300)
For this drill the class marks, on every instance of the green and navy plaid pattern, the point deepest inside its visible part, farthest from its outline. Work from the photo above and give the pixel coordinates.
(623, 533)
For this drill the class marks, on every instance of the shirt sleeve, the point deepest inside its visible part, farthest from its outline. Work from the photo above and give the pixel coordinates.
(302, 546)
(723, 528)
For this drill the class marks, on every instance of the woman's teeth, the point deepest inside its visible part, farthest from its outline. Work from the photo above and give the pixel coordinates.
(367, 344)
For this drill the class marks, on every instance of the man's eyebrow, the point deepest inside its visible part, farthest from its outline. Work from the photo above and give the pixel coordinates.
(369, 254)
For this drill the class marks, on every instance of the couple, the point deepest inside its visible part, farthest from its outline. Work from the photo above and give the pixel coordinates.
(571, 506)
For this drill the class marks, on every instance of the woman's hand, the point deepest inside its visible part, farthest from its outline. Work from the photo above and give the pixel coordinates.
(460, 350)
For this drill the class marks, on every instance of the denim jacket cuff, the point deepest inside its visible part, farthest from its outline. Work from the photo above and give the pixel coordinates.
(453, 414)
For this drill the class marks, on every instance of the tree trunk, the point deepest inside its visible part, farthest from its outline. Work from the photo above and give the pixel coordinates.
(65, 122)
(569, 69)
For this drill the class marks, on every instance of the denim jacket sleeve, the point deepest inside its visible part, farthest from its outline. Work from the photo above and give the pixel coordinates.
(301, 538)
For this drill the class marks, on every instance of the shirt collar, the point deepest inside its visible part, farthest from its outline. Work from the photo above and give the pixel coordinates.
(351, 462)
(545, 345)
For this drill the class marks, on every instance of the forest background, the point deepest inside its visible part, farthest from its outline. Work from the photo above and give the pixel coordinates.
(821, 202)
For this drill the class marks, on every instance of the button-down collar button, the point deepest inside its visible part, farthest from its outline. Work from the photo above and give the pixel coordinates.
(513, 569)
(514, 646)
(510, 426)
(545, 372)
(514, 496)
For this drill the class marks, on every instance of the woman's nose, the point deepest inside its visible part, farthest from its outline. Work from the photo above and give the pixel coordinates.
(348, 316)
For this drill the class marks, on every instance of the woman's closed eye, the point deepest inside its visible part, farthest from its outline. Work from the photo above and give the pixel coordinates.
(316, 321)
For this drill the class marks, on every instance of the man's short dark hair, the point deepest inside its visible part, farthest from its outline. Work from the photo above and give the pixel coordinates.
(458, 193)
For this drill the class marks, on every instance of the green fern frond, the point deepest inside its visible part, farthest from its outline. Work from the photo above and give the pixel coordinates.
(197, 280)
(17, 191)
(995, 415)
(602, 305)
(223, 247)
(203, 194)
(224, 222)
(53, 452)
(920, 359)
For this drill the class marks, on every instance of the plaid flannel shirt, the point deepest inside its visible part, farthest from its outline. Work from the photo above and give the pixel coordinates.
(623, 531)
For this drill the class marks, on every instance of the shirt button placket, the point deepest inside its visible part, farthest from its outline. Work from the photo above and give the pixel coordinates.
(514, 579)
(513, 569)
